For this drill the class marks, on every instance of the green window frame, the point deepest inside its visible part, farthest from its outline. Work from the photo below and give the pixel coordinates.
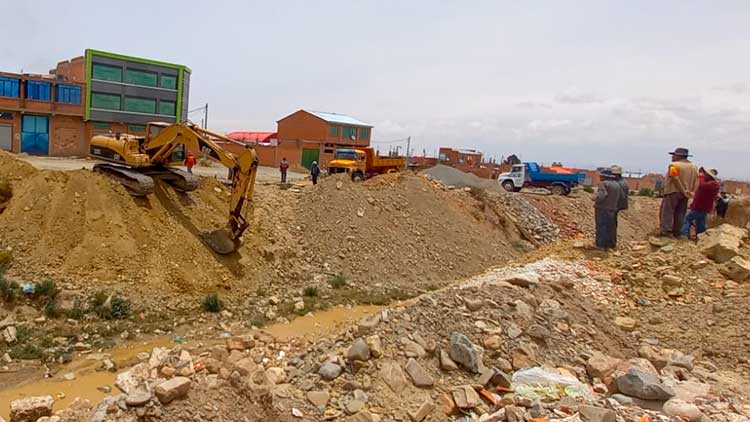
(140, 105)
(141, 77)
(167, 108)
(168, 81)
(136, 128)
(102, 125)
(106, 73)
(364, 133)
(105, 101)
(333, 131)
(349, 131)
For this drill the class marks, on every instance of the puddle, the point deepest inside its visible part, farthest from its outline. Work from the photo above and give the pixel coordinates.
(321, 323)
(87, 380)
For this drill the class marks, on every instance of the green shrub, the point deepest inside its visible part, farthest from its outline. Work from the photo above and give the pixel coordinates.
(310, 291)
(120, 308)
(337, 281)
(212, 303)
(6, 258)
(110, 306)
(588, 188)
(50, 310)
(645, 192)
(77, 312)
(46, 288)
(9, 290)
(25, 351)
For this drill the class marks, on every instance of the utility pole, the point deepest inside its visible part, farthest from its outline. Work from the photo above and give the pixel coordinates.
(408, 144)
(205, 119)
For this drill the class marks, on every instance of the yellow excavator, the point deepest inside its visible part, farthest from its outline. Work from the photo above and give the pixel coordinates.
(136, 160)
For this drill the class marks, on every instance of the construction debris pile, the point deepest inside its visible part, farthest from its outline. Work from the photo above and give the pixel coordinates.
(508, 345)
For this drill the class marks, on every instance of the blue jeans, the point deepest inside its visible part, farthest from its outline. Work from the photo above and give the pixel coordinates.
(694, 217)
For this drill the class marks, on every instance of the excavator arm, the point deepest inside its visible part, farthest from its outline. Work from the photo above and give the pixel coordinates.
(244, 170)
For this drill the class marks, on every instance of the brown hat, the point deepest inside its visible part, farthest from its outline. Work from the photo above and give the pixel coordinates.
(683, 152)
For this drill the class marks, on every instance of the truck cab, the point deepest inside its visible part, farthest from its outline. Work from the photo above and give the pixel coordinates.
(349, 160)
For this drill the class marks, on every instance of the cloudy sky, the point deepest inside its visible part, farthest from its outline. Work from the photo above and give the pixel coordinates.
(588, 83)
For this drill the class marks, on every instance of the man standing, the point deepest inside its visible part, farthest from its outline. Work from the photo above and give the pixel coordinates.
(283, 167)
(681, 182)
(703, 201)
(190, 162)
(314, 172)
(722, 204)
(622, 203)
(606, 201)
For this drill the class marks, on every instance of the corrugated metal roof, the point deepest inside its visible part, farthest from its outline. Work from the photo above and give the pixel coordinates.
(246, 136)
(338, 118)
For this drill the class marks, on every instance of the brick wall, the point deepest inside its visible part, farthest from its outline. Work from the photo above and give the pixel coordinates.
(67, 136)
(73, 70)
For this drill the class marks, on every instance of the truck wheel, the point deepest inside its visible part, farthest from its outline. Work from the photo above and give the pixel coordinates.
(358, 177)
(557, 190)
(508, 186)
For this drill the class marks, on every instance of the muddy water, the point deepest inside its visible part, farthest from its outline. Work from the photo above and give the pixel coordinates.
(88, 380)
(321, 323)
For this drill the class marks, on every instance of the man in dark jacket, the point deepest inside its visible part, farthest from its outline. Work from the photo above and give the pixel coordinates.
(314, 172)
(283, 168)
(703, 201)
(622, 204)
(606, 202)
(722, 204)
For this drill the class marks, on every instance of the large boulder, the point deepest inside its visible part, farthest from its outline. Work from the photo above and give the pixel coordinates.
(31, 408)
(737, 268)
(175, 388)
(721, 243)
(643, 385)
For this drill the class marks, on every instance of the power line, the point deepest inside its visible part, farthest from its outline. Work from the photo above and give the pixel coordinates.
(390, 142)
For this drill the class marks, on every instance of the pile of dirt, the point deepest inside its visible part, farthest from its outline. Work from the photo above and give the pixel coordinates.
(574, 215)
(400, 230)
(738, 213)
(450, 176)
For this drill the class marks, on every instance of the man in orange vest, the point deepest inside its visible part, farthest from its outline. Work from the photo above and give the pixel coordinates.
(190, 162)
(681, 182)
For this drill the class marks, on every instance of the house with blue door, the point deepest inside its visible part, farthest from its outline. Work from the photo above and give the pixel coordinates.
(99, 92)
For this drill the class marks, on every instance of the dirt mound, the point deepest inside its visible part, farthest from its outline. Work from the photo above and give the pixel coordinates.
(400, 229)
(13, 168)
(738, 213)
(454, 177)
(574, 215)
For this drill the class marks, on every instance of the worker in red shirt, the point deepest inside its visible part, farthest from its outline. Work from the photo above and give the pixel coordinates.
(190, 162)
(703, 201)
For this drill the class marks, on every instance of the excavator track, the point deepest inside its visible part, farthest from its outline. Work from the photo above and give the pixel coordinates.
(180, 180)
(136, 183)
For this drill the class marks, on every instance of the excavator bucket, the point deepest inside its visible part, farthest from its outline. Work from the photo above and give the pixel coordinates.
(221, 241)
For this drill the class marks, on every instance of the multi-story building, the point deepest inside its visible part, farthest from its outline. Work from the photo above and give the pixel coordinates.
(466, 157)
(56, 114)
(307, 136)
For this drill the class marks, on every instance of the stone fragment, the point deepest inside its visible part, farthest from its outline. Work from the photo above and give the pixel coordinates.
(31, 408)
(138, 398)
(359, 350)
(329, 371)
(493, 342)
(446, 363)
(721, 243)
(318, 398)
(465, 353)
(422, 412)
(638, 383)
(275, 375)
(737, 269)
(172, 389)
(522, 279)
(354, 406)
(393, 376)
(473, 304)
(418, 374)
(683, 409)
(376, 347)
(597, 414)
(626, 323)
(465, 397)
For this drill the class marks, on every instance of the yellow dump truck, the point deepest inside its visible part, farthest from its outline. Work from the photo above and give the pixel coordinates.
(362, 163)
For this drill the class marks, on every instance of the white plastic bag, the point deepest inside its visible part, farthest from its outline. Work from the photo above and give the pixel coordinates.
(539, 383)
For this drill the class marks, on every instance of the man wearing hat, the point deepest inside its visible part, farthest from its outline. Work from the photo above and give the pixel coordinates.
(622, 204)
(680, 183)
(606, 202)
(703, 201)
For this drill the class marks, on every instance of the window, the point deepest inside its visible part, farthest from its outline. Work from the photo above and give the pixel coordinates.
(70, 94)
(36, 90)
(101, 125)
(140, 105)
(139, 77)
(166, 108)
(107, 73)
(168, 81)
(328, 151)
(6, 116)
(8, 87)
(364, 133)
(136, 128)
(349, 132)
(333, 131)
(105, 101)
